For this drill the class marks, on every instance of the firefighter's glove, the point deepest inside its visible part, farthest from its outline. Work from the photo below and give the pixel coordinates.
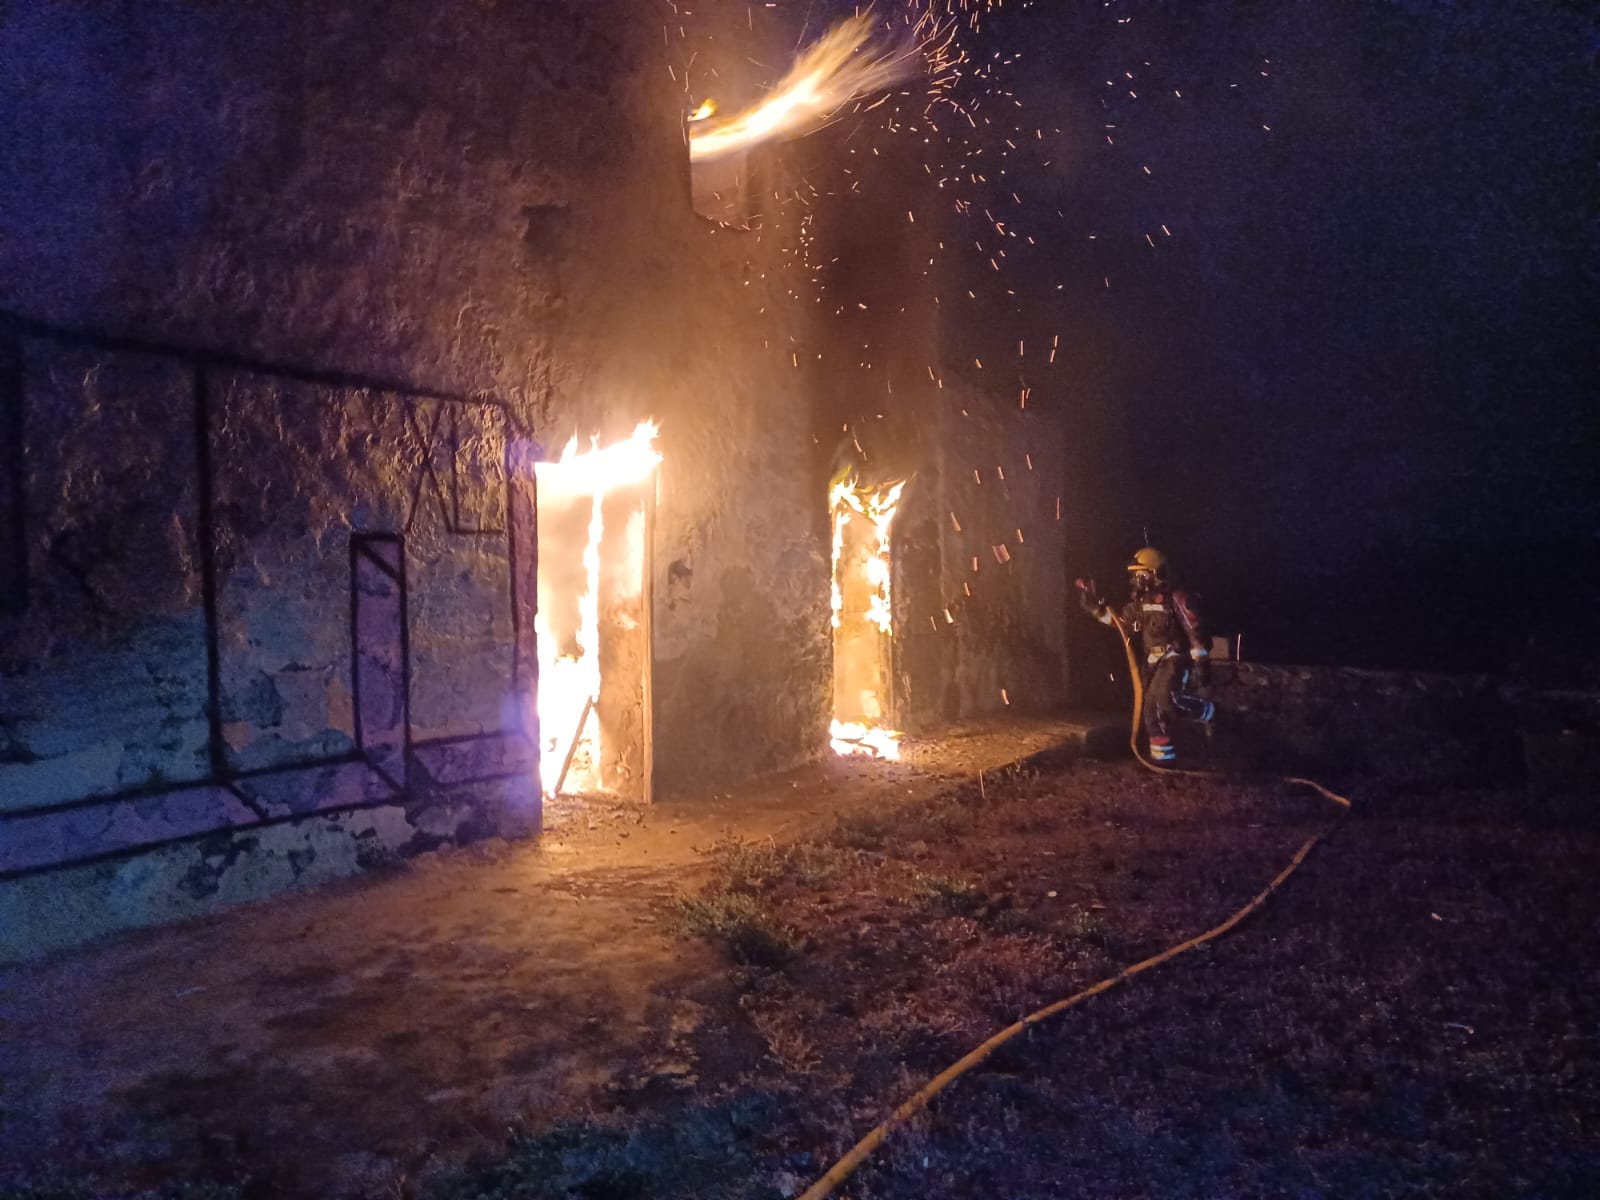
(1088, 595)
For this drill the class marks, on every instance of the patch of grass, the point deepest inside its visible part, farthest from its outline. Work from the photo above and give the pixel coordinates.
(864, 831)
(757, 866)
(1028, 813)
(752, 932)
(93, 1187)
(1089, 927)
(789, 1042)
(938, 821)
(701, 1152)
(948, 892)
(52, 1189)
(932, 821)
(813, 863)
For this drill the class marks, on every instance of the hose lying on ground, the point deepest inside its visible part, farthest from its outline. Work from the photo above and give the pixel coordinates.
(846, 1166)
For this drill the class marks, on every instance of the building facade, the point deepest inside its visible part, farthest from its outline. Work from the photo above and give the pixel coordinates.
(293, 297)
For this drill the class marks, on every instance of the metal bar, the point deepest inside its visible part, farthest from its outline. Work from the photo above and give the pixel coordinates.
(577, 734)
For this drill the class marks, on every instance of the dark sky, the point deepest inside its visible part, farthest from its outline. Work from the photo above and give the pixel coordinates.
(1352, 394)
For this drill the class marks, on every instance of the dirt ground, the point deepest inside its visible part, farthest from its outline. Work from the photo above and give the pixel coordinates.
(716, 998)
(341, 1042)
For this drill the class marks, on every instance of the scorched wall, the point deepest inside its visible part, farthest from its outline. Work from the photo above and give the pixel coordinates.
(979, 577)
(293, 292)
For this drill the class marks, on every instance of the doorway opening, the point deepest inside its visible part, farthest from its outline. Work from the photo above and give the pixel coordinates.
(863, 619)
(596, 516)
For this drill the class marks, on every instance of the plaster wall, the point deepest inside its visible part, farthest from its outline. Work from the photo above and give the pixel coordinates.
(1001, 570)
(979, 573)
(286, 275)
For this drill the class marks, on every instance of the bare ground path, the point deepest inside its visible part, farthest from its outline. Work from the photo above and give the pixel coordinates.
(355, 1034)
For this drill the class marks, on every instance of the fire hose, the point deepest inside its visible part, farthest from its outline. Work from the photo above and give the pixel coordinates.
(857, 1154)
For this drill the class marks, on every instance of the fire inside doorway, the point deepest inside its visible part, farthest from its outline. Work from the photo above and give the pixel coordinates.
(863, 621)
(595, 510)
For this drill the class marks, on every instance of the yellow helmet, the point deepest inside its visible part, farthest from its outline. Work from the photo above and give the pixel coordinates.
(1152, 562)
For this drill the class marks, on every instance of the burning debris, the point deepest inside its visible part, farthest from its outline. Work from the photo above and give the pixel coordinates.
(849, 62)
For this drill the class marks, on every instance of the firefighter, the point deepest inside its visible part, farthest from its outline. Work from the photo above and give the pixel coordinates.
(1175, 651)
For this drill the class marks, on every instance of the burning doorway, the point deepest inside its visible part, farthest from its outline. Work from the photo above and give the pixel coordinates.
(863, 619)
(596, 511)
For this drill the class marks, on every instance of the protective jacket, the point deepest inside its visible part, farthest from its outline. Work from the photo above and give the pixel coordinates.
(1166, 622)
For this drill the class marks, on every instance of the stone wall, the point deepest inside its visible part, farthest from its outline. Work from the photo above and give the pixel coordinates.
(984, 579)
(294, 291)
(1403, 725)
(254, 597)
(979, 575)
(291, 296)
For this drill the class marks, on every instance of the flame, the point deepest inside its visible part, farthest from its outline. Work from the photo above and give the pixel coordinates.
(878, 507)
(852, 737)
(847, 62)
(708, 108)
(846, 501)
(569, 683)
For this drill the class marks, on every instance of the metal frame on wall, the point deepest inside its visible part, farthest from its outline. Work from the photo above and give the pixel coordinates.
(109, 825)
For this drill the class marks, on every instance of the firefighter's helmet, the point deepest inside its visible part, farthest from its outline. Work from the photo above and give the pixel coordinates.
(1151, 563)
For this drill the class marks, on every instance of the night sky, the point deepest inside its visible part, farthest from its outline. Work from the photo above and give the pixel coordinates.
(1351, 394)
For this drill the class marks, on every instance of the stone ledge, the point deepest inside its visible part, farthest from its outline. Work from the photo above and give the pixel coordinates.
(452, 761)
(37, 841)
(31, 841)
(55, 909)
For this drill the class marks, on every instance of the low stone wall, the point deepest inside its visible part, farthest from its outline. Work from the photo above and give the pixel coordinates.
(1560, 733)
(319, 840)
(1401, 724)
